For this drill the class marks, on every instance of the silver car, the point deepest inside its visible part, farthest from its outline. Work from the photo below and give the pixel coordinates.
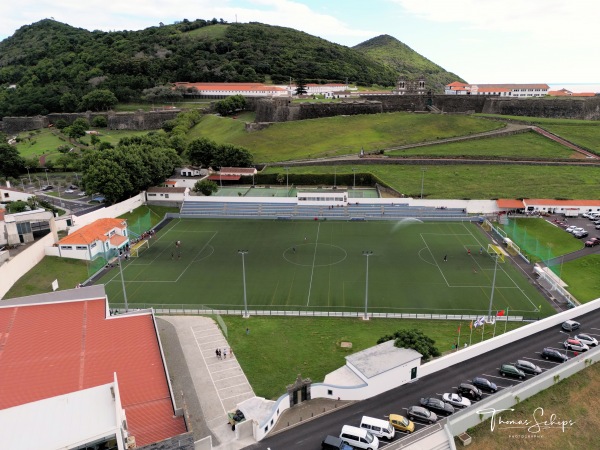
(588, 340)
(456, 400)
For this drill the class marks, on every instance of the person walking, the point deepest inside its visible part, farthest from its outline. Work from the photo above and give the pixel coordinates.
(445, 258)
(218, 353)
(224, 353)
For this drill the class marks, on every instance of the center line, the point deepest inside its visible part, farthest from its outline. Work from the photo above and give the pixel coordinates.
(313, 265)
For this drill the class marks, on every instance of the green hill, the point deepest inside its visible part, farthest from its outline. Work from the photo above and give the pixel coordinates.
(49, 66)
(392, 53)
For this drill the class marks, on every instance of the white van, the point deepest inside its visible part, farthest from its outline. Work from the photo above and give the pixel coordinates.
(378, 427)
(359, 438)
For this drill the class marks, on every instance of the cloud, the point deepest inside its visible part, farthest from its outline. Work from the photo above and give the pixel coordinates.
(138, 14)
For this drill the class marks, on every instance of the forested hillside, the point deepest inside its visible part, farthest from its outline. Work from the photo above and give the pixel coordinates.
(50, 66)
(390, 52)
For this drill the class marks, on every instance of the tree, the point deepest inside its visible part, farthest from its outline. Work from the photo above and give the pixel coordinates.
(69, 102)
(94, 140)
(230, 105)
(301, 88)
(99, 100)
(11, 163)
(108, 178)
(17, 207)
(415, 340)
(206, 187)
(99, 122)
(201, 152)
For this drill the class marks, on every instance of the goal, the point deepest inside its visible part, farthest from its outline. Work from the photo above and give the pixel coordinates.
(138, 247)
(497, 252)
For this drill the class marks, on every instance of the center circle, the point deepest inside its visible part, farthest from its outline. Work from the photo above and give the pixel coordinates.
(314, 255)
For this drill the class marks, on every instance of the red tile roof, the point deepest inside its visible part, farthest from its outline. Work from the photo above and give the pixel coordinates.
(237, 170)
(171, 182)
(224, 177)
(168, 190)
(509, 203)
(2, 211)
(457, 84)
(95, 231)
(50, 349)
(250, 87)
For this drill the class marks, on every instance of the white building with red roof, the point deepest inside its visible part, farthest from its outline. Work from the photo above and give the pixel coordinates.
(223, 90)
(73, 375)
(99, 238)
(501, 90)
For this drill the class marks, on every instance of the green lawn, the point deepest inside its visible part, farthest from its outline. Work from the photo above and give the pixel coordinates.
(476, 181)
(157, 213)
(318, 266)
(68, 272)
(338, 135)
(585, 135)
(582, 278)
(37, 143)
(541, 239)
(310, 346)
(525, 145)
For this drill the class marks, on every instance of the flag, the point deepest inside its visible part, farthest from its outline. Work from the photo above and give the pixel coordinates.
(500, 313)
(459, 329)
(479, 322)
(471, 325)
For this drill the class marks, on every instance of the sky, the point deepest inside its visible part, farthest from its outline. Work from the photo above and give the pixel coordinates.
(482, 41)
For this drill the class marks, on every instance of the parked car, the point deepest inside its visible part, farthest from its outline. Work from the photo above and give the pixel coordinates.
(586, 339)
(528, 367)
(586, 214)
(68, 191)
(437, 406)
(334, 443)
(468, 390)
(574, 230)
(580, 234)
(401, 423)
(553, 354)
(49, 187)
(418, 412)
(598, 227)
(484, 384)
(359, 438)
(74, 187)
(575, 345)
(511, 371)
(456, 400)
(570, 228)
(592, 242)
(570, 325)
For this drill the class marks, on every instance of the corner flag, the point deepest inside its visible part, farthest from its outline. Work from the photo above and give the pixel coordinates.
(500, 313)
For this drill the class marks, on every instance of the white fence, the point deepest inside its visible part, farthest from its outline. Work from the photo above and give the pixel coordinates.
(115, 210)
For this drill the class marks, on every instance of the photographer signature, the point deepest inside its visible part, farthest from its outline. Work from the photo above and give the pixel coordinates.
(535, 425)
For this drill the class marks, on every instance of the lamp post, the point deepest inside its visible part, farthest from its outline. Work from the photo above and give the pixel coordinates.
(123, 283)
(367, 253)
(493, 285)
(354, 178)
(28, 174)
(287, 176)
(243, 253)
(422, 179)
(334, 176)
(47, 180)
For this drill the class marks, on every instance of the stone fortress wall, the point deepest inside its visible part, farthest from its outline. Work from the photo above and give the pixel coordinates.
(270, 110)
(139, 120)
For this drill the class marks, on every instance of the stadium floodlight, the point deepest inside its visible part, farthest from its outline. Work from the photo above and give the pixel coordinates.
(123, 282)
(243, 253)
(354, 179)
(287, 176)
(423, 170)
(496, 256)
(367, 253)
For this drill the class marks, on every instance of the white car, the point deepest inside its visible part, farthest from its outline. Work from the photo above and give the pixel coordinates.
(587, 340)
(68, 191)
(570, 229)
(575, 230)
(456, 400)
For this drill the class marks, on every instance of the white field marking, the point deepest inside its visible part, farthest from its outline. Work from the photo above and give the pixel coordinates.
(313, 264)
(425, 260)
(209, 372)
(232, 386)
(229, 378)
(201, 250)
(433, 258)
(226, 370)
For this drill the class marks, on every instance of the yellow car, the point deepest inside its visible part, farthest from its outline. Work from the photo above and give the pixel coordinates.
(401, 423)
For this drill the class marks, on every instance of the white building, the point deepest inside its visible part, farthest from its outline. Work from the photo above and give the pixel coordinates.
(224, 90)
(99, 238)
(501, 90)
(169, 194)
(22, 228)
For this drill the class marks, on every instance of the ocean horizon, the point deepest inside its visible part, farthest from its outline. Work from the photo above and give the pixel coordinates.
(576, 87)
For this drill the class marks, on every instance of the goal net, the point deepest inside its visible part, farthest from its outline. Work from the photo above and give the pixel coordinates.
(138, 247)
(495, 251)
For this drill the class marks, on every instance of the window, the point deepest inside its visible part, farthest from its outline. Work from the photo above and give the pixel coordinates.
(93, 245)
(66, 247)
(80, 247)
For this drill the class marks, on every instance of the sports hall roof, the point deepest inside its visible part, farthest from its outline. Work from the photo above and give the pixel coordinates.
(62, 342)
(510, 203)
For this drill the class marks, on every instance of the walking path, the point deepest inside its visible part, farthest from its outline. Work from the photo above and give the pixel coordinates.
(211, 387)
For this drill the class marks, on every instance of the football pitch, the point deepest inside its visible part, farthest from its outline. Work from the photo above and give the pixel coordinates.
(321, 266)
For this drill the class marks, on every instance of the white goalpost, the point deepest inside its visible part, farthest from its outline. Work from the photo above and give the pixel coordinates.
(138, 247)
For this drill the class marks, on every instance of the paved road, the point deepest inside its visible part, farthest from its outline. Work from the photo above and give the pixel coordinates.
(309, 435)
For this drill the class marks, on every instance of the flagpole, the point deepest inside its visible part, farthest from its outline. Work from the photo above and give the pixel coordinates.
(458, 340)
(471, 334)
(482, 331)
(506, 323)
(495, 322)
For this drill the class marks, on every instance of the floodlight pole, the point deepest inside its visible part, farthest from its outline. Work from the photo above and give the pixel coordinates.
(244, 252)
(422, 180)
(493, 286)
(287, 176)
(354, 179)
(334, 176)
(28, 174)
(123, 283)
(47, 180)
(367, 253)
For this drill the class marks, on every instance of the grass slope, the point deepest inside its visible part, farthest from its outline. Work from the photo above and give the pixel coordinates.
(310, 346)
(524, 145)
(477, 181)
(338, 135)
(581, 276)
